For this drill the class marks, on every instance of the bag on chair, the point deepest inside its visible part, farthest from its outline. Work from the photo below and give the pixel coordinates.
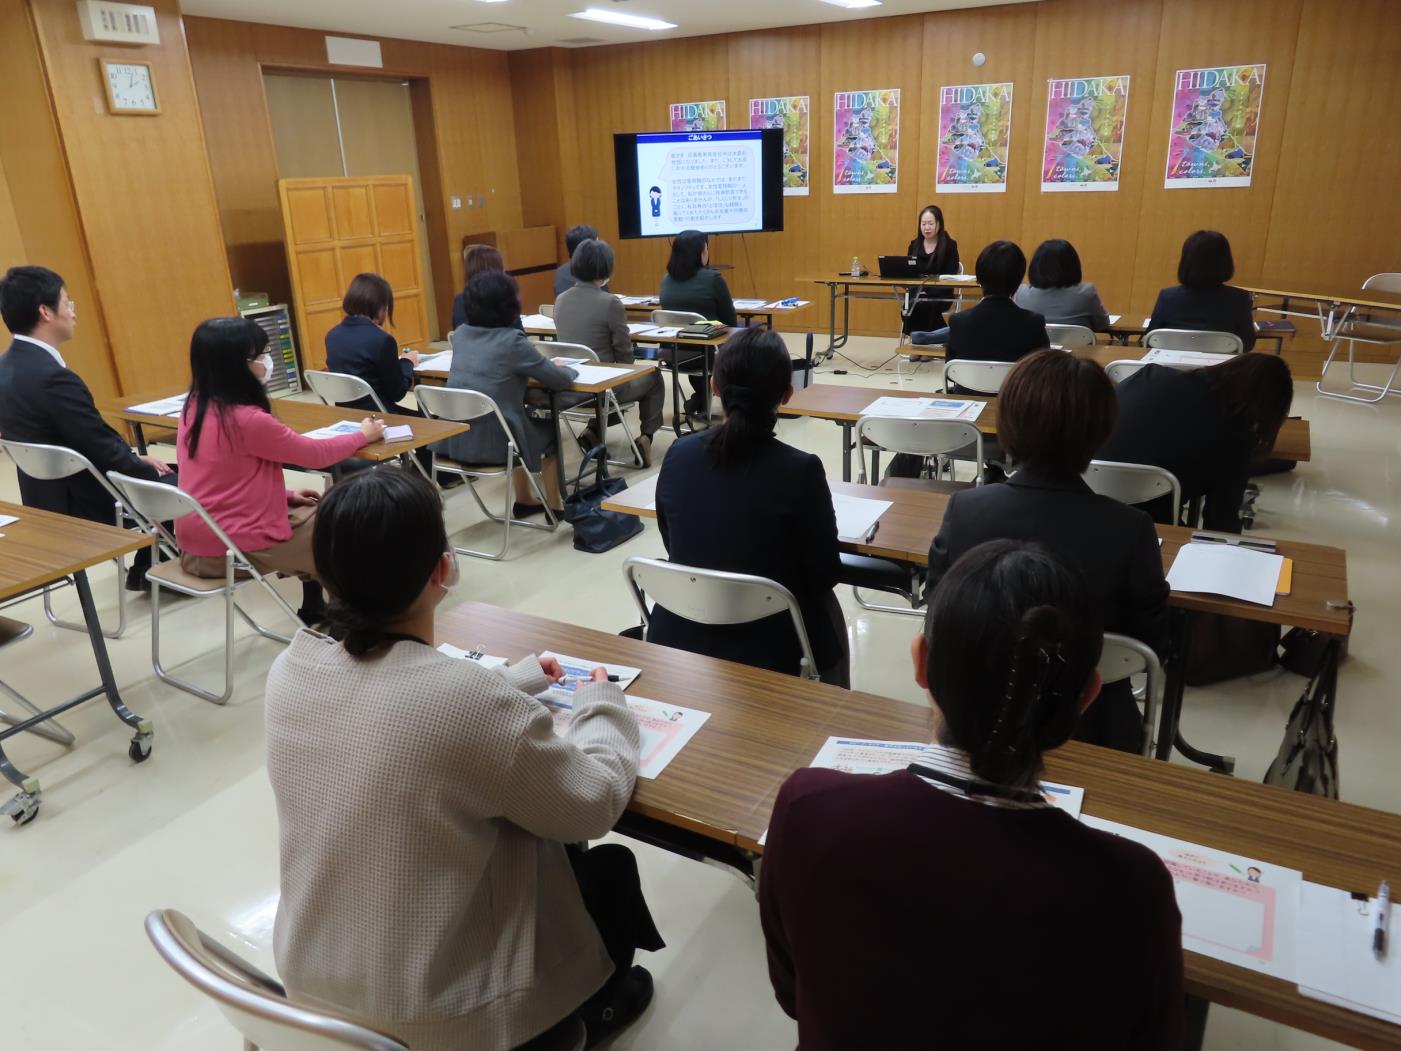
(1308, 755)
(597, 530)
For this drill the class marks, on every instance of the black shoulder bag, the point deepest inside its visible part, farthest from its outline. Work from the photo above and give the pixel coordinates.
(597, 530)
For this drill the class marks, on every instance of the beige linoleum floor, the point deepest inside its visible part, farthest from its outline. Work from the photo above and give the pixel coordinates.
(195, 827)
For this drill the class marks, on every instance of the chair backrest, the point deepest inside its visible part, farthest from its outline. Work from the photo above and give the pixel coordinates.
(709, 596)
(546, 310)
(1120, 370)
(1071, 335)
(338, 388)
(558, 349)
(1123, 657)
(918, 437)
(678, 318)
(156, 503)
(1189, 339)
(1133, 483)
(462, 406)
(980, 377)
(1389, 282)
(255, 1004)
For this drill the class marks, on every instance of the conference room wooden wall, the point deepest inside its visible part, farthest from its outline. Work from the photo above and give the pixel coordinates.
(464, 125)
(1334, 80)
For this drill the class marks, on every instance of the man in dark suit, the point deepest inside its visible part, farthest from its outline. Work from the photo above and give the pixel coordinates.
(44, 401)
(997, 329)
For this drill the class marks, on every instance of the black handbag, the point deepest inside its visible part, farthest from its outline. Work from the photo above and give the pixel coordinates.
(1308, 755)
(597, 530)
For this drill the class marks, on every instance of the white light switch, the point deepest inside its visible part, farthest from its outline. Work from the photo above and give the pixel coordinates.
(457, 202)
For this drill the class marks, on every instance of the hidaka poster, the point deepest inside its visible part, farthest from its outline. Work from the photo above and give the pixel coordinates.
(866, 141)
(698, 116)
(1215, 117)
(789, 112)
(1084, 133)
(975, 130)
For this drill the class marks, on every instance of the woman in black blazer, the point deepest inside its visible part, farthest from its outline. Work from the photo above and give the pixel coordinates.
(359, 345)
(1054, 411)
(1206, 426)
(1201, 300)
(935, 253)
(737, 499)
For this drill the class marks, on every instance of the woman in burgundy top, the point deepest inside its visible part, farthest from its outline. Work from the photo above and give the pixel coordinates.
(948, 904)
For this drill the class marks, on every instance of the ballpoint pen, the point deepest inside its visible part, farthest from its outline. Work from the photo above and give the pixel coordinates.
(1379, 924)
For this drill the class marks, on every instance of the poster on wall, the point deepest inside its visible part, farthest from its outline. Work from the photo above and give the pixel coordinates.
(1084, 133)
(789, 112)
(975, 130)
(1215, 117)
(698, 116)
(866, 141)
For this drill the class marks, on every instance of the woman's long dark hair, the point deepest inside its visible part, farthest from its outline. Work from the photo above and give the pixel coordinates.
(1014, 637)
(377, 537)
(220, 351)
(686, 251)
(941, 239)
(1255, 390)
(753, 371)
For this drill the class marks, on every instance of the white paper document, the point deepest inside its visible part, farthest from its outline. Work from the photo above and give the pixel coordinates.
(1336, 964)
(8, 520)
(784, 304)
(750, 304)
(335, 430)
(538, 321)
(399, 433)
(1193, 358)
(1235, 909)
(636, 328)
(636, 301)
(486, 660)
(1114, 318)
(963, 278)
(926, 408)
(597, 373)
(1225, 569)
(440, 362)
(577, 671)
(165, 407)
(664, 331)
(857, 516)
(665, 728)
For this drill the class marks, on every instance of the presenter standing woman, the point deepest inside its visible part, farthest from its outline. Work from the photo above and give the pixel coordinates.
(935, 253)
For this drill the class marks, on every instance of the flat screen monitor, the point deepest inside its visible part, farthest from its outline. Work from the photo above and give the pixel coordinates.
(720, 182)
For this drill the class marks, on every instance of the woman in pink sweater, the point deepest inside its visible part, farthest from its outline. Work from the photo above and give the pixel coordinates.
(231, 451)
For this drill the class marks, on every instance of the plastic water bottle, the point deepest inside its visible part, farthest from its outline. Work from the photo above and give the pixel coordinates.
(855, 266)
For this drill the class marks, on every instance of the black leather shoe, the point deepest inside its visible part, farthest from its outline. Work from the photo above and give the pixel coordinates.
(520, 510)
(606, 1016)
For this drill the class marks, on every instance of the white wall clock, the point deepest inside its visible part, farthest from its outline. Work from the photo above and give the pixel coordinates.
(131, 87)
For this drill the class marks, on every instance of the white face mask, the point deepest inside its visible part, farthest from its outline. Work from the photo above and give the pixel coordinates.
(265, 362)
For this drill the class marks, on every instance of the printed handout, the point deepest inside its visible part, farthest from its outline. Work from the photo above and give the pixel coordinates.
(665, 728)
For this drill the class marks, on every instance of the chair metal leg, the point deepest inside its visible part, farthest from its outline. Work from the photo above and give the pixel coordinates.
(907, 611)
(506, 518)
(69, 625)
(1353, 382)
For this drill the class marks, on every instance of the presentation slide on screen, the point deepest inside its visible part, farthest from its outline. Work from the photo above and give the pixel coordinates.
(711, 181)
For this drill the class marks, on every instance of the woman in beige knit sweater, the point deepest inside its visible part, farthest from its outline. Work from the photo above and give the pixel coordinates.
(425, 804)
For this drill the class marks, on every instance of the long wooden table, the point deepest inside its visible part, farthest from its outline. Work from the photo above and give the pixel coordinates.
(844, 288)
(44, 548)
(763, 725)
(301, 416)
(843, 404)
(768, 312)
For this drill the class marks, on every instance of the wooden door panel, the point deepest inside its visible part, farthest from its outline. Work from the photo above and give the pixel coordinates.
(354, 220)
(358, 259)
(318, 277)
(394, 209)
(408, 320)
(399, 262)
(308, 216)
(319, 321)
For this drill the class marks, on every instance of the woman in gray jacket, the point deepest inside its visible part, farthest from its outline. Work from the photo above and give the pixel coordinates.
(491, 355)
(428, 809)
(1057, 291)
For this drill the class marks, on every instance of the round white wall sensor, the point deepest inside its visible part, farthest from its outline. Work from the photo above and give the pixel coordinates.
(979, 58)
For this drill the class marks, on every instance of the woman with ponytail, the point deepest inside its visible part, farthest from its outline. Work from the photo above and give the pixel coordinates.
(987, 884)
(737, 499)
(428, 813)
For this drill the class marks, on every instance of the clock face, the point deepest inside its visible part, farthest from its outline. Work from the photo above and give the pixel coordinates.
(131, 87)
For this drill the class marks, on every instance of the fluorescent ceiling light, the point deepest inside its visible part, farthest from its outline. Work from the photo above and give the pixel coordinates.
(491, 1)
(852, 4)
(619, 18)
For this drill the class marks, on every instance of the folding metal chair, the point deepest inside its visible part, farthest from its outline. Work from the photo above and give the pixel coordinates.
(546, 310)
(611, 405)
(51, 463)
(1190, 339)
(254, 1003)
(1134, 483)
(464, 406)
(338, 389)
(1120, 370)
(679, 319)
(979, 377)
(156, 504)
(1071, 335)
(1123, 657)
(709, 596)
(1358, 326)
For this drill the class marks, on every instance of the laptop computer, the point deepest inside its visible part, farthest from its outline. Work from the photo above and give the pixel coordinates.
(898, 266)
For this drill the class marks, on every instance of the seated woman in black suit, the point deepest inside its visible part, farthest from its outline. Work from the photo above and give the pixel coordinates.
(737, 499)
(476, 259)
(1054, 411)
(1201, 299)
(360, 346)
(691, 284)
(1207, 426)
(935, 253)
(960, 851)
(997, 329)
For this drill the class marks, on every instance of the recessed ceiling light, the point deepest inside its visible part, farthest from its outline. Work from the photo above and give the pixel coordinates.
(853, 4)
(619, 18)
